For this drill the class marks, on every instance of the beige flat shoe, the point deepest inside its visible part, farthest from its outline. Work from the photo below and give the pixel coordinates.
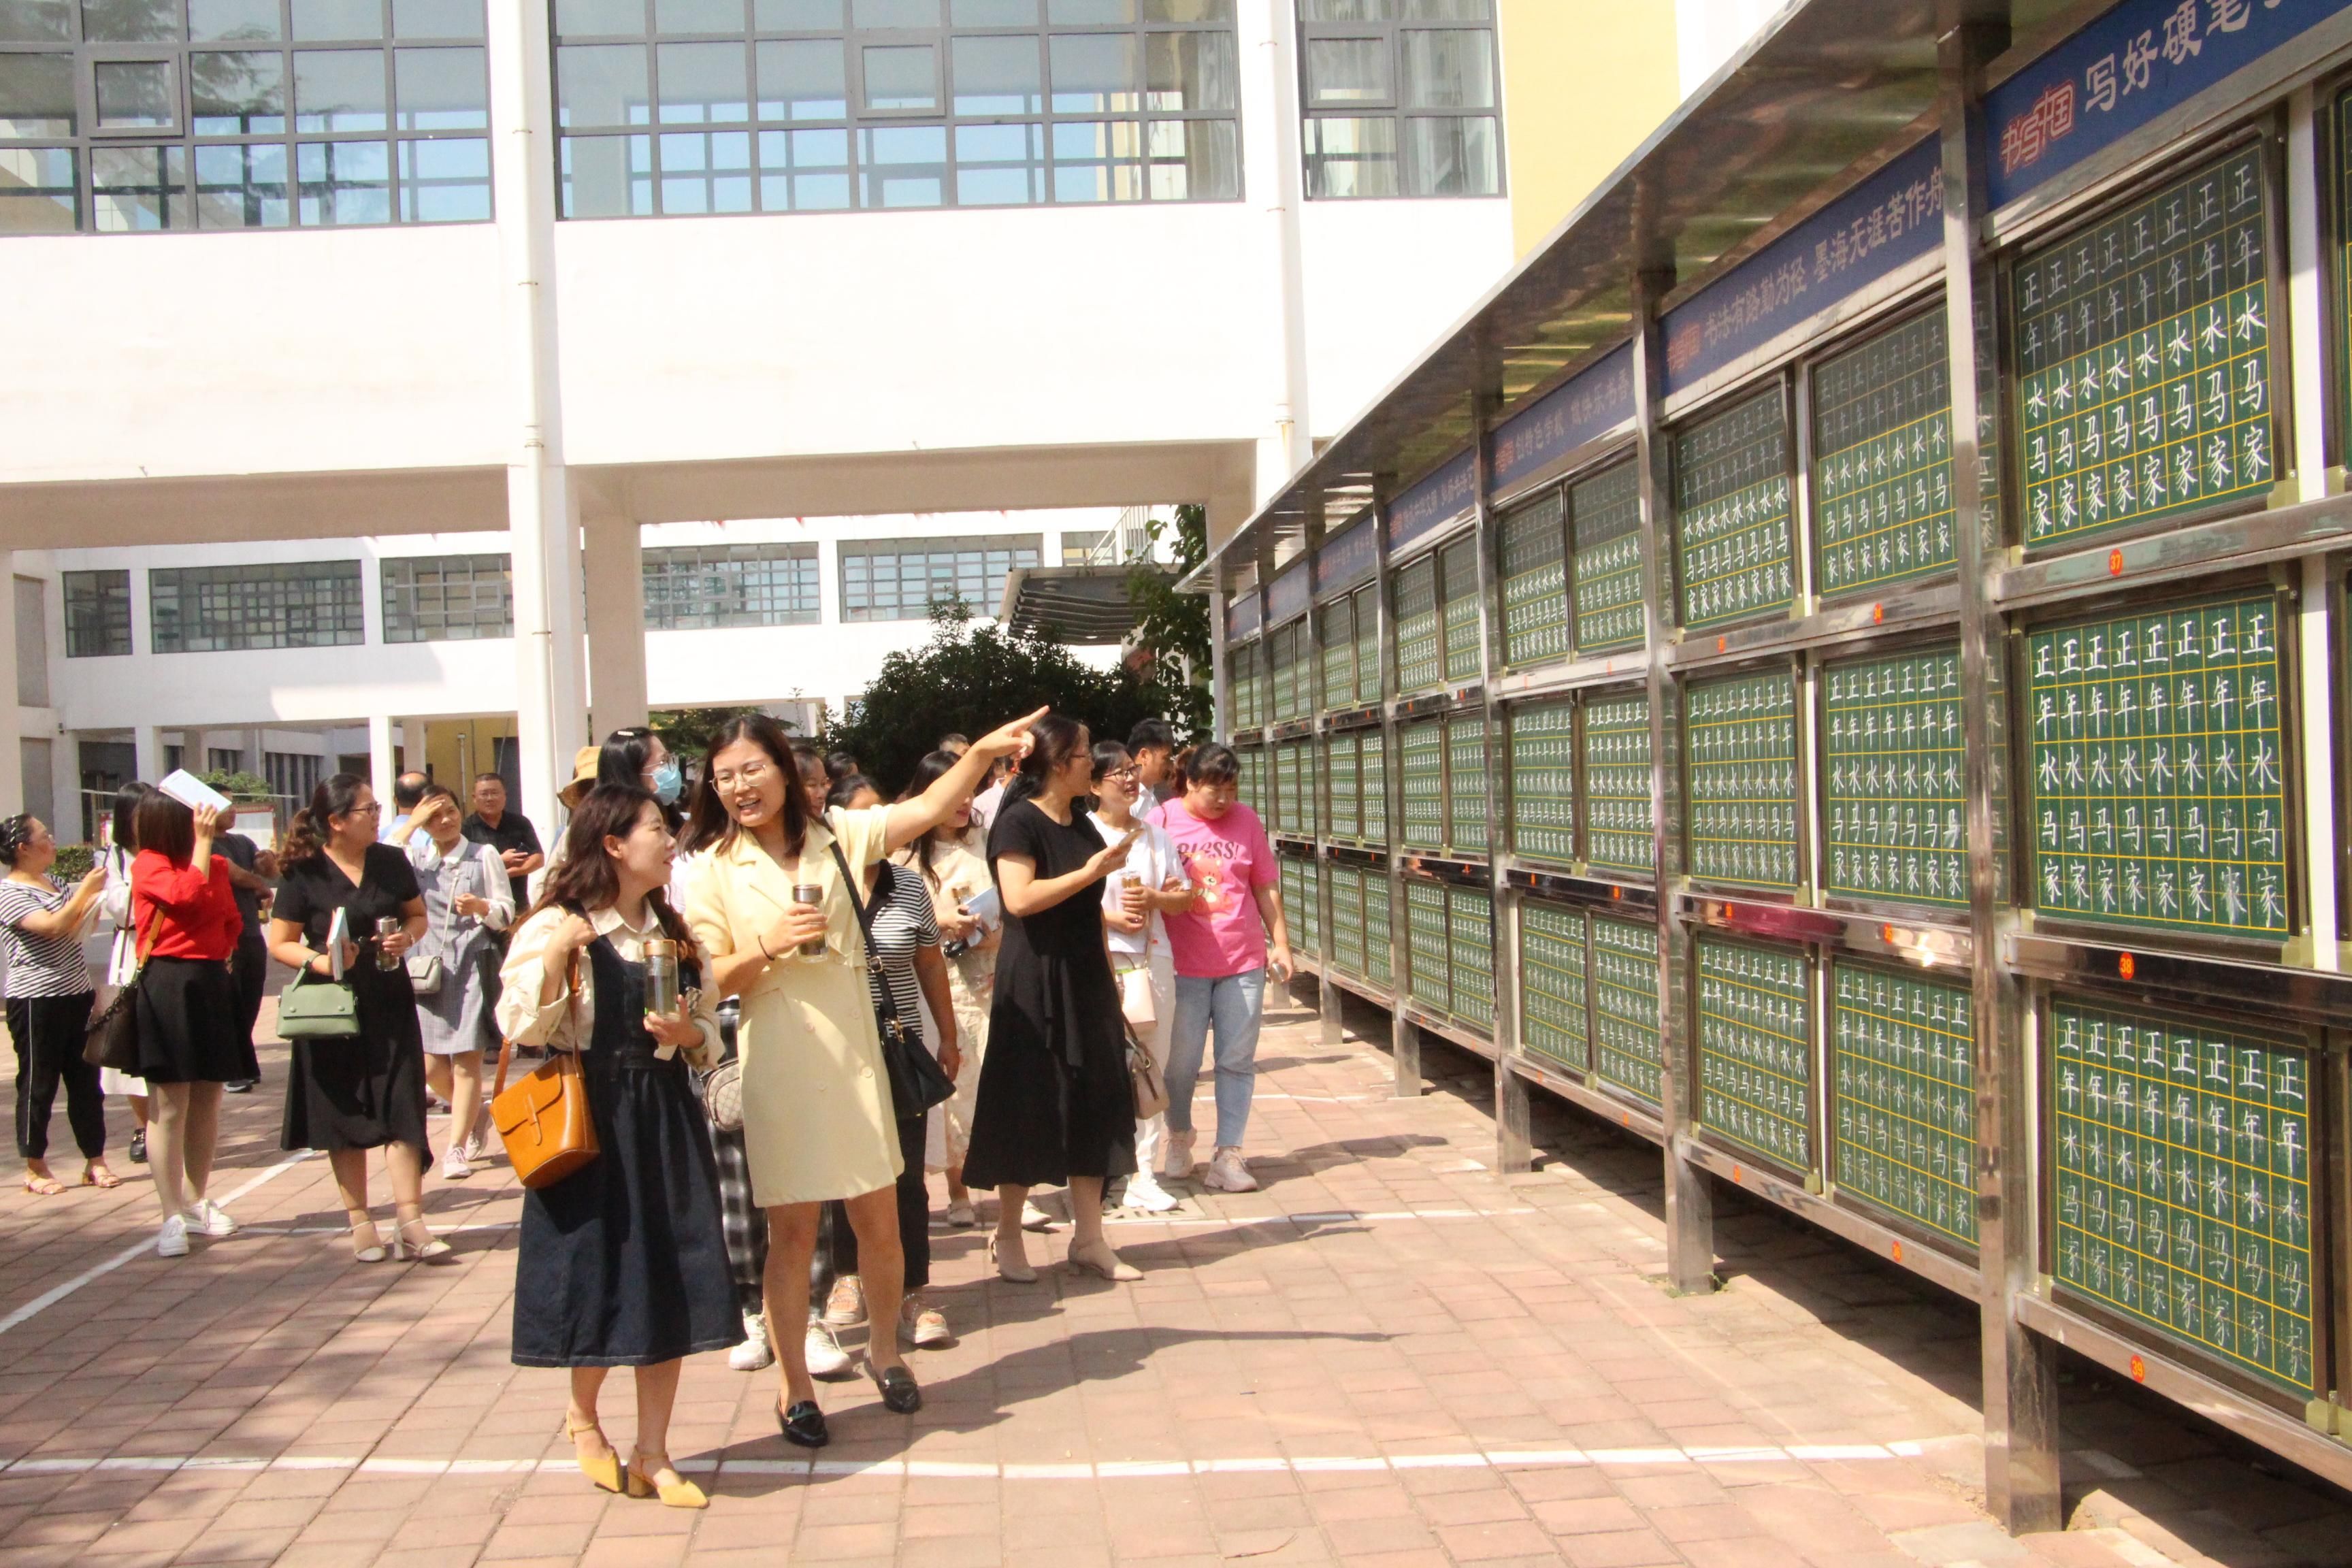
(1014, 1269)
(1101, 1261)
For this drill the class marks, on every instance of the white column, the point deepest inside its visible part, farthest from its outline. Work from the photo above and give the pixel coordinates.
(147, 743)
(542, 514)
(12, 780)
(1277, 178)
(257, 743)
(413, 742)
(65, 784)
(617, 625)
(381, 771)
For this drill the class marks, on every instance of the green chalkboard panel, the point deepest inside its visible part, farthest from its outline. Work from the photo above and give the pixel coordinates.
(1535, 582)
(1731, 513)
(1420, 657)
(1346, 919)
(1318, 753)
(1741, 741)
(1368, 644)
(1457, 572)
(1551, 985)
(1311, 884)
(1616, 746)
(1293, 903)
(1892, 753)
(1292, 812)
(1255, 780)
(1466, 783)
(1543, 783)
(1284, 650)
(1607, 527)
(1626, 1048)
(1336, 631)
(2182, 1173)
(1904, 1056)
(1376, 927)
(1346, 787)
(1470, 921)
(1422, 749)
(1375, 775)
(1882, 490)
(1755, 1048)
(2143, 356)
(1429, 945)
(1248, 690)
(2159, 767)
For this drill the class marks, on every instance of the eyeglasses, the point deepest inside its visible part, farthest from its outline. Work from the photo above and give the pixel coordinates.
(1121, 775)
(373, 808)
(751, 775)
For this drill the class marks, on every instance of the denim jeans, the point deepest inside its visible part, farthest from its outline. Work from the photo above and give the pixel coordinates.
(1234, 1005)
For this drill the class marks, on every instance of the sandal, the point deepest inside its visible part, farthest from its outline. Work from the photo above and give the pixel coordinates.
(99, 1176)
(604, 1469)
(43, 1186)
(643, 1481)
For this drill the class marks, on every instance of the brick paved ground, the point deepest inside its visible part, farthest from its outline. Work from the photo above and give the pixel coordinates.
(1341, 1368)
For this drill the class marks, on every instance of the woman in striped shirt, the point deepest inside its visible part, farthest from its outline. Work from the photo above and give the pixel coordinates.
(49, 996)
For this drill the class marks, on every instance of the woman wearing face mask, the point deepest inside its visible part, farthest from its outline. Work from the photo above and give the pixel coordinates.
(467, 901)
(637, 758)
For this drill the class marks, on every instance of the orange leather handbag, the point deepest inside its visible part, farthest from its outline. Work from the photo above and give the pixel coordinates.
(543, 1120)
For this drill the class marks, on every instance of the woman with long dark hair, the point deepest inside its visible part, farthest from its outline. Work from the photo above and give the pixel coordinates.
(1056, 1103)
(622, 1262)
(122, 959)
(818, 1123)
(183, 916)
(637, 758)
(349, 1096)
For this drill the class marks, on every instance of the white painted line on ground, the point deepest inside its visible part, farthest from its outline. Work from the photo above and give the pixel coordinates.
(48, 1298)
(1325, 1217)
(940, 1469)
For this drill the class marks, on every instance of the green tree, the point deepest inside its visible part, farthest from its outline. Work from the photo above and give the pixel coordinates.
(1172, 625)
(688, 731)
(972, 675)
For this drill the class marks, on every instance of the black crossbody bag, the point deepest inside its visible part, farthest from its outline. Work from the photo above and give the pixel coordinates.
(917, 1082)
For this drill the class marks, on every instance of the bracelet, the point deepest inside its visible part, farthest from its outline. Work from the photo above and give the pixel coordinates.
(764, 953)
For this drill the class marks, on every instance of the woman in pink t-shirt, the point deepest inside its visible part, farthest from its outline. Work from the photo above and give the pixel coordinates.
(1223, 945)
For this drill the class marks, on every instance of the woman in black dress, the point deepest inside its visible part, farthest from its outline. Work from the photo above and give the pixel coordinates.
(624, 1262)
(1055, 1104)
(350, 1095)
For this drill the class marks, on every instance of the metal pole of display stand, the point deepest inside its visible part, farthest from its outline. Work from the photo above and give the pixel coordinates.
(1513, 1132)
(1403, 1034)
(1328, 1030)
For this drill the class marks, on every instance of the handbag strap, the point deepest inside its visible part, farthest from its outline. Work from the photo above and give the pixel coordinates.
(139, 953)
(571, 1009)
(887, 1006)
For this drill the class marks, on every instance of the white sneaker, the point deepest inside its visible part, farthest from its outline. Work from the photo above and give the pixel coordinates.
(962, 1216)
(825, 1356)
(454, 1167)
(473, 1148)
(1149, 1195)
(172, 1241)
(206, 1217)
(923, 1326)
(1176, 1164)
(846, 1307)
(755, 1352)
(1228, 1174)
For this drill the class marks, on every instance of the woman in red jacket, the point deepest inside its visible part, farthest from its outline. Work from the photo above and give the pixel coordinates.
(184, 919)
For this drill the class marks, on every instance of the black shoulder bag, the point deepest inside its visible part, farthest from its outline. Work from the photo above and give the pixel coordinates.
(917, 1082)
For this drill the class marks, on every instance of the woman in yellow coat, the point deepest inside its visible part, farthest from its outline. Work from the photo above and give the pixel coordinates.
(817, 1119)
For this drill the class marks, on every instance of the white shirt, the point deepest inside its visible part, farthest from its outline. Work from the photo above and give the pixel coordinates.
(1151, 861)
(984, 807)
(556, 1023)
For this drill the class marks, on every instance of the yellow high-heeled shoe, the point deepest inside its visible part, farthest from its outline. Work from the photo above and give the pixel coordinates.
(680, 1493)
(604, 1471)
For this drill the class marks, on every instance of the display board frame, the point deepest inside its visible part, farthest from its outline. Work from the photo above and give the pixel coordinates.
(1836, 1102)
(1759, 392)
(1800, 848)
(1854, 338)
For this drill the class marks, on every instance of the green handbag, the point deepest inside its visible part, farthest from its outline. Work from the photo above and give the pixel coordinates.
(310, 1008)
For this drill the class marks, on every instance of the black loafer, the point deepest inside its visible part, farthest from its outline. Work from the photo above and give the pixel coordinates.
(900, 1394)
(804, 1425)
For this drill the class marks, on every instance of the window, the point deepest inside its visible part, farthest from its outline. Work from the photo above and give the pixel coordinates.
(125, 115)
(97, 613)
(702, 587)
(294, 773)
(900, 580)
(447, 598)
(297, 604)
(32, 643)
(224, 760)
(679, 107)
(1399, 97)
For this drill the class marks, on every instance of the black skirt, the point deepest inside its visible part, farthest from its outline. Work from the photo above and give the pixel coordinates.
(189, 1024)
(366, 1091)
(1054, 1101)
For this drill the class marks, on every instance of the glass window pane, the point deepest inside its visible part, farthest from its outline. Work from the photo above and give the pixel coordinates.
(343, 183)
(1449, 67)
(599, 18)
(1351, 157)
(993, 13)
(896, 13)
(1000, 165)
(242, 187)
(1002, 75)
(1099, 160)
(1095, 73)
(441, 90)
(702, 83)
(219, 19)
(1084, 11)
(444, 181)
(600, 84)
(802, 79)
(36, 21)
(902, 166)
(698, 15)
(339, 89)
(1450, 157)
(36, 95)
(1347, 70)
(237, 93)
(438, 18)
(803, 171)
(1347, 10)
(1189, 11)
(136, 189)
(795, 16)
(130, 21)
(706, 172)
(900, 76)
(337, 18)
(36, 190)
(1194, 160)
(1446, 10)
(607, 176)
(1189, 71)
(137, 95)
